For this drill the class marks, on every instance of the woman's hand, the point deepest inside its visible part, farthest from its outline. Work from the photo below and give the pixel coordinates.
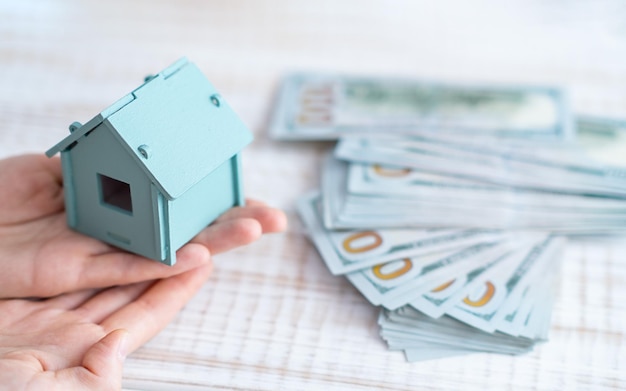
(41, 257)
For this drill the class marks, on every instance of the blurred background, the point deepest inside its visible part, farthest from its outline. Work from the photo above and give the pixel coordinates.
(66, 60)
(273, 317)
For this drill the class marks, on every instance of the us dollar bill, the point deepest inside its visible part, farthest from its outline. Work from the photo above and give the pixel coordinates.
(413, 184)
(316, 106)
(398, 197)
(395, 283)
(345, 251)
(554, 174)
(479, 309)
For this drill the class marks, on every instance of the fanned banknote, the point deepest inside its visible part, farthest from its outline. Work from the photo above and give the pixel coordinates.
(492, 288)
(349, 250)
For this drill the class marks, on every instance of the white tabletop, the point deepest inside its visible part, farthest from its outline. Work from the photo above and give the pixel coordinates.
(272, 317)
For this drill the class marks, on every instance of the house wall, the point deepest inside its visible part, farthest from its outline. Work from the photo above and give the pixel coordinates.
(100, 153)
(204, 202)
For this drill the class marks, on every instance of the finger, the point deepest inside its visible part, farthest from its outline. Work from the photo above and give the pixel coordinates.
(101, 368)
(17, 309)
(156, 307)
(229, 234)
(100, 306)
(121, 268)
(72, 300)
(271, 219)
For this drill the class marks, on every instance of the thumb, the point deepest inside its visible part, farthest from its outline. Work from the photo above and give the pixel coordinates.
(105, 357)
(102, 365)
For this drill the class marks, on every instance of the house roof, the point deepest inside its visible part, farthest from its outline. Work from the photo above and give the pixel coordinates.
(175, 120)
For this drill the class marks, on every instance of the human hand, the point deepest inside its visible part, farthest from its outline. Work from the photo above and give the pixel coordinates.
(79, 340)
(41, 257)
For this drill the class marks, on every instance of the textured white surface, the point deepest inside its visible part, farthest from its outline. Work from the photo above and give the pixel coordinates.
(272, 317)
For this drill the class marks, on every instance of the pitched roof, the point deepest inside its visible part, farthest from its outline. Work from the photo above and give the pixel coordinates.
(175, 118)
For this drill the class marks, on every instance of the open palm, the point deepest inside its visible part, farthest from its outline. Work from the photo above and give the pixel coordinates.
(79, 340)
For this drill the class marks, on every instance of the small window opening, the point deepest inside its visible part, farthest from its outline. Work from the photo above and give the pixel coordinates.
(115, 193)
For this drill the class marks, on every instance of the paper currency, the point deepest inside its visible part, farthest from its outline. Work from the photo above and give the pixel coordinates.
(424, 338)
(375, 179)
(488, 165)
(442, 296)
(346, 251)
(499, 294)
(393, 284)
(447, 205)
(313, 106)
(360, 196)
(496, 285)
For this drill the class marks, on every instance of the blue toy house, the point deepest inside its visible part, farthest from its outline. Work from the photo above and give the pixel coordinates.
(155, 168)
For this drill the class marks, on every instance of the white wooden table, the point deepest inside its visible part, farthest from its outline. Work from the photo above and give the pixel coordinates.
(272, 317)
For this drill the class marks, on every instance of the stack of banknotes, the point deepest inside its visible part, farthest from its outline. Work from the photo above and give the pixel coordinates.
(449, 205)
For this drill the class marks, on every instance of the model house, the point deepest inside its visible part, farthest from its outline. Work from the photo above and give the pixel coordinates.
(155, 168)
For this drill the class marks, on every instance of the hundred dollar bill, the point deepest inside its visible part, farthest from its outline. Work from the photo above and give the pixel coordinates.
(532, 318)
(313, 106)
(346, 251)
(395, 283)
(489, 262)
(515, 320)
(448, 330)
(374, 179)
(530, 296)
(408, 329)
(414, 208)
(480, 310)
(586, 177)
(536, 324)
(436, 301)
(344, 210)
